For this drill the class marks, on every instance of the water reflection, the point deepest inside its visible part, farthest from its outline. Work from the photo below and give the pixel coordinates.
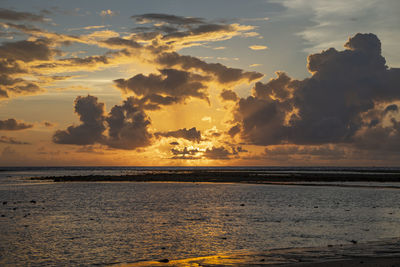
(108, 223)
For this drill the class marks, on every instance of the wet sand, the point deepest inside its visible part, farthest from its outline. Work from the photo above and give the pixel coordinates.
(359, 262)
(379, 254)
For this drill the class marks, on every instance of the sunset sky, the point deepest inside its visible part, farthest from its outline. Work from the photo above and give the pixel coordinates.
(200, 83)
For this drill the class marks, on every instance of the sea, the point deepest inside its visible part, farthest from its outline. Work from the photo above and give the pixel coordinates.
(107, 223)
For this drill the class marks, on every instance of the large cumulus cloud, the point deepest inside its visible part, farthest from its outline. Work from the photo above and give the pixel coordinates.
(331, 105)
(91, 114)
(126, 125)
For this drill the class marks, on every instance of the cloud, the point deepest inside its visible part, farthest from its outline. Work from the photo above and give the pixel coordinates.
(222, 73)
(331, 23)
(13, 125)
(27, 51)
(15, 58)
(91, 114)
(258, 47)
(171, 19)
(169, 87)
(186, 153)
(191, 134)
(89, 27)
(126, 124)
(228, 95)
(108, 12)
(328, 107)
(7, 14)
(128, 127)
(234, 130)
(155, 44)
(172, 33)
(255, 19)
(217, 153)
(11, 141)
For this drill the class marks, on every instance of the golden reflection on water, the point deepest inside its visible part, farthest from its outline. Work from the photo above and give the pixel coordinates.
(215, 260)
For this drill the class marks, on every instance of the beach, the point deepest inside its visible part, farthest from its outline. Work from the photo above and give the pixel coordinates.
(210, 223)
(372, 254)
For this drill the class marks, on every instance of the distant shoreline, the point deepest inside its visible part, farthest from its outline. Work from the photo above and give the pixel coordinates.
(221, 176)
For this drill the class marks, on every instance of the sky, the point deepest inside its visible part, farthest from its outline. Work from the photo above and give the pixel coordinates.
(200, 83)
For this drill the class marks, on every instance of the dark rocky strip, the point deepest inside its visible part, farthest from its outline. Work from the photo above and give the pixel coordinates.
(236, 177)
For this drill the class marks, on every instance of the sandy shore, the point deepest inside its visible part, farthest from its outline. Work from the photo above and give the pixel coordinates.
(359, 262)
(371, 254)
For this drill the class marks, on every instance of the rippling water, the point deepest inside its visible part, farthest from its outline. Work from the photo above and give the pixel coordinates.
(106, 223)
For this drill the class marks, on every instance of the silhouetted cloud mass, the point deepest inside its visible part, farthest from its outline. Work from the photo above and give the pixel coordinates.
(126, 125)
(217, 153)
(91, 114)
(228, 95)
(13, 55)
(13, 125)
(8, 14)
(27, 51)
(344, 101)
(222, 73)
(169, 87)
(191, 134)
(172, 19)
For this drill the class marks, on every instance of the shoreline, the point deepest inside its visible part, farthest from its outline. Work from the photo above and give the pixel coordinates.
(375, 253)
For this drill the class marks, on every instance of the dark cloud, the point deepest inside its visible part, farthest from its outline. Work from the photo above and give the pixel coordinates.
(191, 134)
(90, 131)
(328, 107)
(27, 51)
(217, 153)
(234, 130)
(199, 30)
(13, 125)
(171, 86)
(120, 42)
(7, 14)
(222, 73)
(294, 153)
(171, 19)
(391, 108)
(11, 55)
(174, 143)
(127, 125)
(228, 95)
(11, 141)
(183, 154)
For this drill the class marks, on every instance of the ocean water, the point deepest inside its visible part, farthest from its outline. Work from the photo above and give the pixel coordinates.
(46, 223)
